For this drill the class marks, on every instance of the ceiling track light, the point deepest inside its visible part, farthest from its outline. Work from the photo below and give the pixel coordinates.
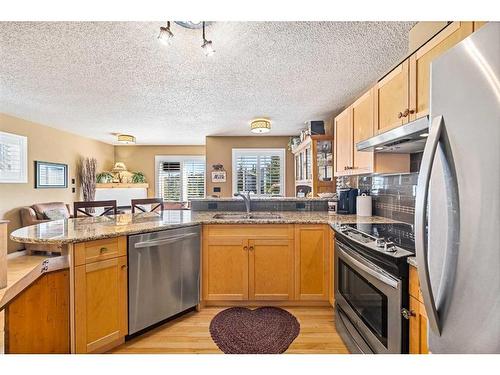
(165, 36)
(207, 46)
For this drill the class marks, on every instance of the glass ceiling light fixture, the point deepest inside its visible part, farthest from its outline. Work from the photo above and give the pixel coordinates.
(207, 44)
(165, 36)
(126, 139)
(260, 126)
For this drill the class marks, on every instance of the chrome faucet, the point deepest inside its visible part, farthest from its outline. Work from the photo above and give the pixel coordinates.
(246, 198)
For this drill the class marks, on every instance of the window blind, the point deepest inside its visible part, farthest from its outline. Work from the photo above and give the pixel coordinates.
(258, 171)
(181, 180)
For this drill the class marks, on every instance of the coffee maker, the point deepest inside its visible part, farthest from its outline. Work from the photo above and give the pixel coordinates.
(347, 201)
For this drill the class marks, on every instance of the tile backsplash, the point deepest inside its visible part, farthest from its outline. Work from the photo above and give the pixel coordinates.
(393, 195)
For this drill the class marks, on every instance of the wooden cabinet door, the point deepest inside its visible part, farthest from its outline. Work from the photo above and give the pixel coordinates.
(362, 124)
(225, 268)
(311, 262)
(479, 24)
(271, 269)
(391, 99)
(100, 304)
(420, 64)
(343, 143)
(418, 328)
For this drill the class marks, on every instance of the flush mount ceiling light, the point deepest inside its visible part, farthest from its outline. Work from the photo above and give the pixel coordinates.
(260, 126)
(165, 36)
(126, 139)
(207, 44)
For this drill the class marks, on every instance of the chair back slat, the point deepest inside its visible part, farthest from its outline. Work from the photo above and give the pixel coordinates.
(109, 207)
(156, 203)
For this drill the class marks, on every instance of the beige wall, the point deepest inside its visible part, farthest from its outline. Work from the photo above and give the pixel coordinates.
(46, 144)
(219, 151)
(142, 158)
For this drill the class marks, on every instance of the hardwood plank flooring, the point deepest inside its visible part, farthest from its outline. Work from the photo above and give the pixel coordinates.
(189, 334)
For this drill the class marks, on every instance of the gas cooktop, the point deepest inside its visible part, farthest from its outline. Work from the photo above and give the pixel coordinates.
(395, 239)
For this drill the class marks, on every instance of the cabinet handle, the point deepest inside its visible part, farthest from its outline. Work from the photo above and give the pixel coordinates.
(251, 248)
(245, 248)
(407, 112)
(407, 314)
(124, 266)
(400, 114)
(103, 249)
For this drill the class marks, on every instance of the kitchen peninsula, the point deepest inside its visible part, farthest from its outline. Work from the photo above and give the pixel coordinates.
(284, 259)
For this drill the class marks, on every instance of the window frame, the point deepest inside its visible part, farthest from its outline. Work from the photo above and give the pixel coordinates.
(281, 152)
(181, 159)
(22, 178)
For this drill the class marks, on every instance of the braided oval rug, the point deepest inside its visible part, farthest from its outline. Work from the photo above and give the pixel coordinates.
(265, 330)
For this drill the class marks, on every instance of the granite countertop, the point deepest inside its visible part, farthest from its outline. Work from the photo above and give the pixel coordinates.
(270, 199)
(61, 232)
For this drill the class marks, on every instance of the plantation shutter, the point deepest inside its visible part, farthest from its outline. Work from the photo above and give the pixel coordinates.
(170, 181)
(13, 158)
(180, 181)
(259, 171)
(194, 179)
(246, 166)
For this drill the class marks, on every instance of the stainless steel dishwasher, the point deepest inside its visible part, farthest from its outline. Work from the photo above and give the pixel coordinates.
(163, 276)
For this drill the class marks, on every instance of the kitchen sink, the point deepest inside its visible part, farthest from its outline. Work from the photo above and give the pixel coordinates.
(254, 216)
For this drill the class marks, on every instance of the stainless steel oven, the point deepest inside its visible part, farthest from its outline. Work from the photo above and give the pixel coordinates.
(368, 303)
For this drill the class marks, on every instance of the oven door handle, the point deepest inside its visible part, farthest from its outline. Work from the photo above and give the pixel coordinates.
(369, 269)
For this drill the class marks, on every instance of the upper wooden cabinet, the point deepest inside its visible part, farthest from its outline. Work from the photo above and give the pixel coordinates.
(362, 124)
(420, 64)
(353, 125)
(479, 24)
(391, 99)
(311, 262)
(343, 143)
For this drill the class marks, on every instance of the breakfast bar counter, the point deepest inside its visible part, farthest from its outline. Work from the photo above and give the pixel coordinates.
(68, 231)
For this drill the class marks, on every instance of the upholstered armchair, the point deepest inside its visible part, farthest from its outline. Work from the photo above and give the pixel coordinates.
(40, 213)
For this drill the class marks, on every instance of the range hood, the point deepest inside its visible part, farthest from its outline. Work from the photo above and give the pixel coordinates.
(406, 139)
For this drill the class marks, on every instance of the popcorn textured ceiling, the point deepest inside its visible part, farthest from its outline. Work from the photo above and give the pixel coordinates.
(100, 78)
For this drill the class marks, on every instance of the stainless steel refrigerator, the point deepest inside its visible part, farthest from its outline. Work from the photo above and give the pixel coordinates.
(457, 220)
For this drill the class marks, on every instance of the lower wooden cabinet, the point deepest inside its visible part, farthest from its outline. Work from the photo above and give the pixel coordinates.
(265, 262)
(418, 316)
(311, 262)
(270, 269)
(225, 268)
(100, 304)
(418, 327)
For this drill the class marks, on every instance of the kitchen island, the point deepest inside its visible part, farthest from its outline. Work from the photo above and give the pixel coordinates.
(282, 259)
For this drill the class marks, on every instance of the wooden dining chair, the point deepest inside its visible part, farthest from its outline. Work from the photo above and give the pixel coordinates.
(156, 203)
(87, 208)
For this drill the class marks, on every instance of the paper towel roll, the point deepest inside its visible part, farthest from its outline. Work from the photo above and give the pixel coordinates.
(364, 205)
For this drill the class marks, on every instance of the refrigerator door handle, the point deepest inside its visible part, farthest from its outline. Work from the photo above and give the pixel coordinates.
(420, 217)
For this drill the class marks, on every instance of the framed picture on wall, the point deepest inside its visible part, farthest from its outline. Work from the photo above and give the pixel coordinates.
(13, 158)
(50, 175)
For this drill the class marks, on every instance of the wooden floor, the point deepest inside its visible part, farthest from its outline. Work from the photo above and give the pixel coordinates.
(18, 265)
(189, 334)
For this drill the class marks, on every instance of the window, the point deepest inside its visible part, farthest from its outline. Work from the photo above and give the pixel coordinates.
(261, 171)
(180, 178)
(13, 158)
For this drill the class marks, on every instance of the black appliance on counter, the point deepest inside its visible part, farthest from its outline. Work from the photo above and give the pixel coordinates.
(371, 286)
(347, 201)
